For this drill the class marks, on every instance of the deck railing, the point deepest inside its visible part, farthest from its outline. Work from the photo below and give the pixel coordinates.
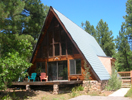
(126, 77)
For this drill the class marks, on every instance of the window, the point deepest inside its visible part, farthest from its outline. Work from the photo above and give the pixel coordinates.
(69, 48)
(75, 66)
(56, 42)
(57, 70)
(57, 50)
(50, 37)
(44, 52)
(40, 67)
(50, 50)
(57, 35)
(63, 36)
(63, 48)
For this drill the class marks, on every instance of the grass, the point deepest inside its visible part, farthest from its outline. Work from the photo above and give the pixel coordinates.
(129, 93)
(94, 93)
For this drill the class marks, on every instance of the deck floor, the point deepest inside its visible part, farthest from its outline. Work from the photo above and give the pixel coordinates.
(47, 83)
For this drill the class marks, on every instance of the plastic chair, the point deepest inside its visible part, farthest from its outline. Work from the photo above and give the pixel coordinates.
(43, 76)
(33, 77)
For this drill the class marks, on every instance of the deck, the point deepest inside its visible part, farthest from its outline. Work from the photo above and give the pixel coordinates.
(54, 83)
(47, 83)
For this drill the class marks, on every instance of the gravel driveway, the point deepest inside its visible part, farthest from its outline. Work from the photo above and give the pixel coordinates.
(87, 97)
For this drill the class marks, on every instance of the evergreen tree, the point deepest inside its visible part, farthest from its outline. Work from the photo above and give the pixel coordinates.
(105, 38)
(89, 28)
(114, 82)
(128, 17)
(22, 17)
(124, 54)
(11, 16)
(128, 21)
(37, 13)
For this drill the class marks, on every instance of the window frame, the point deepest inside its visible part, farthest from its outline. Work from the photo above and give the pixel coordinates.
(75, 67)
(41, 66)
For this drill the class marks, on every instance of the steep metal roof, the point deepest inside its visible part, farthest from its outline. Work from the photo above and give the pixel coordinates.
(87, 44)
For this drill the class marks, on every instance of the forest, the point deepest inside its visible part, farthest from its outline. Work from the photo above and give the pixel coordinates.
(21, 22)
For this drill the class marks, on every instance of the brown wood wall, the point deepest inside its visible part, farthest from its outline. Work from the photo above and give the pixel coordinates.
(64, 58)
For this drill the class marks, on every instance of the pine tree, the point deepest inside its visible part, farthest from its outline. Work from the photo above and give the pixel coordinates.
(86, 72)
(124, 54)
(37, 13)
(128, 21)
(22, 17)
(11, 16)
(89, 28)
(105, 38)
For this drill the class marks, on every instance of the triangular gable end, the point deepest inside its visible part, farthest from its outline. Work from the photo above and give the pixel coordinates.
(49, 19)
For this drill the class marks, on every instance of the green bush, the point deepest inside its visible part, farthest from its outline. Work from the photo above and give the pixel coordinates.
(75, 91)
(114, 82)
(80, 88)
(7, 97)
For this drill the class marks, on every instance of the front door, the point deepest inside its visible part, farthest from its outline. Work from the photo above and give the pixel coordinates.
(57, 70)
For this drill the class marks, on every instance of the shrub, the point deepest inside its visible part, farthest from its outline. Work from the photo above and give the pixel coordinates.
(86, 72)
(75, 91)
(7, 97)
(114, 82)
(80, 88)
(87, 75)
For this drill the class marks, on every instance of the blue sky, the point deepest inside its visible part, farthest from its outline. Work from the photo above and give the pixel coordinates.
(111, 11)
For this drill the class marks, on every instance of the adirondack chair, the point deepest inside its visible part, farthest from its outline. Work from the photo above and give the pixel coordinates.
(43, 76)
(33, 77)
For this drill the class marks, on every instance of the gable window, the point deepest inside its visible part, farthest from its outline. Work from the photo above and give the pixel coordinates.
(75, 66)
(56, 42)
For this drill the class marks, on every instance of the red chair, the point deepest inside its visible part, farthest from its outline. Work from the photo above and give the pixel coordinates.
(43, 76)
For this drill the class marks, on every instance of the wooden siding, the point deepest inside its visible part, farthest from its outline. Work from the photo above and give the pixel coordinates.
(63, 58)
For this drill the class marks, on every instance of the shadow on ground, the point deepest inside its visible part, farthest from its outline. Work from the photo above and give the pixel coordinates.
(16, 95)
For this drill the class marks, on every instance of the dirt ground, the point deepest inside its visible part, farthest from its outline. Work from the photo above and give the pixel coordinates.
(87, 97)
(22, 94)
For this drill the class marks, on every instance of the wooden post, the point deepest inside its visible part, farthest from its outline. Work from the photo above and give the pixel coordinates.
(131, 76)
(68, 65)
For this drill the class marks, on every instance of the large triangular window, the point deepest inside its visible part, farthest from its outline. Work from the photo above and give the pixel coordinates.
(56, 42)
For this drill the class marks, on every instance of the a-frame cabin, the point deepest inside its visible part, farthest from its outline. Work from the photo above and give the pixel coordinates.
(63, 47)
